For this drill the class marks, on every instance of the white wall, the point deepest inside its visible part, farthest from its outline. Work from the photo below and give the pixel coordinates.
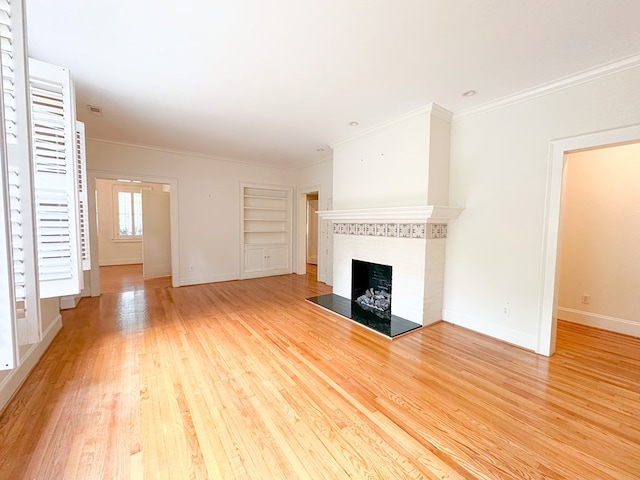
(208, 202)
(499, 172)
(600, 235)
(318, 178)
(389, 167)
(156, 229)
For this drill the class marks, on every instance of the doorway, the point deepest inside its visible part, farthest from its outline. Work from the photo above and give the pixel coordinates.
(312, 229)
(166, 264)
(133, 225)
(549, 286)
(599, 233)
(308, 258)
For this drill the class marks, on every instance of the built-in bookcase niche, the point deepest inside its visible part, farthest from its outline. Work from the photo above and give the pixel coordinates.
(266, 230)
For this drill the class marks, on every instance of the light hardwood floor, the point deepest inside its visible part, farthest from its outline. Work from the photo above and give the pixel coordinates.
(247, 380)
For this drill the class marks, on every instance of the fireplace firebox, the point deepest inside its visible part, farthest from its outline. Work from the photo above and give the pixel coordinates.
(371, 287)
(370, 302)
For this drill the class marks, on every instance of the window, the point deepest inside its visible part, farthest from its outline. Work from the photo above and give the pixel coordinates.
(128, 213)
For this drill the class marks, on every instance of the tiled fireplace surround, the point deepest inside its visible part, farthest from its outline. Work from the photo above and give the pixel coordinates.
(410, 239)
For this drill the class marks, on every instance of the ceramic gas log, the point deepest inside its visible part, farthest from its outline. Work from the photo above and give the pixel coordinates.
(371, 287)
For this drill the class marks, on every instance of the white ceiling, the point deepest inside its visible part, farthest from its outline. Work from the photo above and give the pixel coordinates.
(271, 81)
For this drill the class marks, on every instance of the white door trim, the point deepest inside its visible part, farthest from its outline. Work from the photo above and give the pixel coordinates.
(548, 297)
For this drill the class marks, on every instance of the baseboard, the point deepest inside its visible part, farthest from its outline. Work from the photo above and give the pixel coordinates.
(184, 281)
(17, 376)
(70, 301)
(120, 261)
(619, 325)
(266, 273)
(507, 335)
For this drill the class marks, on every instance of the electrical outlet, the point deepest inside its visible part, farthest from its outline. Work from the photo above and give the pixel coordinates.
(586, 299)
(506, 310)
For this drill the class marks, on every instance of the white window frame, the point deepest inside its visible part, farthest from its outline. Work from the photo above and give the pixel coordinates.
(129, 187)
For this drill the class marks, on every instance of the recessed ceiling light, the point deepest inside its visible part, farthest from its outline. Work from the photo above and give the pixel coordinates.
(354, 124)
(94, 110)
(319, 149)
(469, 93)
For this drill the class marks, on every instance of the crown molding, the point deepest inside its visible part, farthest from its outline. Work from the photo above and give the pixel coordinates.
(441, 113)
(427, 110)
(563, 83)
(313, 164)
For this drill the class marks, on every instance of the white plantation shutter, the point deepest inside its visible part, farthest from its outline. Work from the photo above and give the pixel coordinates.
(17, 249)
(8, 70)
(25, 280)
(22, 224)
(21, 285)
(83, 196)
(7, 315)
(55, 178)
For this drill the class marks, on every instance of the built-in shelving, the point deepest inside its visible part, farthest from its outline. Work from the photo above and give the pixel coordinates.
(266, 230)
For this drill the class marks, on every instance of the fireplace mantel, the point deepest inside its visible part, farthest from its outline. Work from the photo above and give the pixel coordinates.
(416, 214)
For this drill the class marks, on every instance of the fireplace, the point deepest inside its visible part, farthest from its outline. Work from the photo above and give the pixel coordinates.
(370, 301)
(410, 242)
(371, 287)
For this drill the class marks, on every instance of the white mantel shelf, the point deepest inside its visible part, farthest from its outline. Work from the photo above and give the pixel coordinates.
(416, 214)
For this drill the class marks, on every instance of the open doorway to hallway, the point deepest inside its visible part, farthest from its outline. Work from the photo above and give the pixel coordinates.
(312, 234)
(551, 268)
(133, 226)
(307, 237)
(598, 262)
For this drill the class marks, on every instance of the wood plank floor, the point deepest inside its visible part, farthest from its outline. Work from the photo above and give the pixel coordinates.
(247, 380)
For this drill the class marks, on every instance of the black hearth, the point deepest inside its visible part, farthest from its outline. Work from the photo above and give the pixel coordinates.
(370, 303)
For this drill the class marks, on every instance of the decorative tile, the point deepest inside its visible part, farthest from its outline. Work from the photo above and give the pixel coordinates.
(401, 230)
(417, 230)
(437, 230)
(371, 229)
(404, 230)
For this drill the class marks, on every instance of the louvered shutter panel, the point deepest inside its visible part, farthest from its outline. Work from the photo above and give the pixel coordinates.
(26, 297)
(55, 178)
(8, 70)
(26, 304)
(7, 315)
(17, 249)
(83, 196)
